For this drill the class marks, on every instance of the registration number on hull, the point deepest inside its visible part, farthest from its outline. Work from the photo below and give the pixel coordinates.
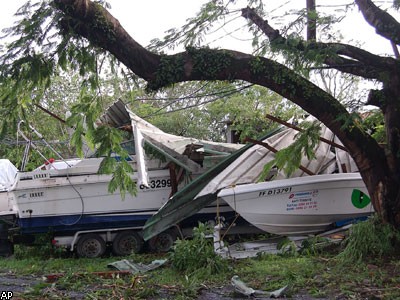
(156, 184)
(272, 192)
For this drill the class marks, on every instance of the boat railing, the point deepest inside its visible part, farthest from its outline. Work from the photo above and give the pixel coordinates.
(30, 143)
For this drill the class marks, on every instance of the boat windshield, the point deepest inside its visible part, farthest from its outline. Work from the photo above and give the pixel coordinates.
(129, 146)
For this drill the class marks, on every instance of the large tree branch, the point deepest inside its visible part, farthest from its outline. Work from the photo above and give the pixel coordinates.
(343, 57)
(95, 23)
(100, 27)
(384, 24)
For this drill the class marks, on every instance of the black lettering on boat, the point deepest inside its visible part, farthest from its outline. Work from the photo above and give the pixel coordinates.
(276, 191)
(156, 184)
(35, 194)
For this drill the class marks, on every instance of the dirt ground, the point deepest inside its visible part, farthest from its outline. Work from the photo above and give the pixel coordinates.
(20, 285)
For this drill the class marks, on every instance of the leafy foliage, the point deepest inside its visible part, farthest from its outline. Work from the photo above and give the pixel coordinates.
(194, 32)
(289, 158)
(42, 248)
(110, 138)
(57, 98)
(30, 71)
(287, 248)
(36, 57)
(370, 240)
(374, 124)
(205, 110)
(107, 142)
(314, 245)
(197, 254)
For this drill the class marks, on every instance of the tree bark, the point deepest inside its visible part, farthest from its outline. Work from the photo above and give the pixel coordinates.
(384, 24)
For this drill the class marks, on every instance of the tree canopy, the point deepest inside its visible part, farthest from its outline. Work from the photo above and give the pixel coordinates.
(62, 35)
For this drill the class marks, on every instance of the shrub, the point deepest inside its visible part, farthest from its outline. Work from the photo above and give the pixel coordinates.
(197, 254)
(42, 248)
(371, 239)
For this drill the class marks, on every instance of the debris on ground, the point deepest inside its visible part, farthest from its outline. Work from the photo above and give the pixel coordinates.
(50, 278)
(242, 288)
(272, 245)
(124, 267)
(133, 268)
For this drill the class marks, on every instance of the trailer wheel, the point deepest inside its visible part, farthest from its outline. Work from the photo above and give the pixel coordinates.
(6, 248)
(91, 246)
(127, 242)
(163, 242)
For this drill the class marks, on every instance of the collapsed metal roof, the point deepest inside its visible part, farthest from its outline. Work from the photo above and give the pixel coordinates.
(116, 115)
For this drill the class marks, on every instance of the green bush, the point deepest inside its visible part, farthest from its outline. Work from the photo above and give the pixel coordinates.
(197, 254)
(370, 240)
(42, 248)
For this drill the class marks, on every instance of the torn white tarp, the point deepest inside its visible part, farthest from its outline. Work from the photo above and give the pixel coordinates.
(139, 151)
(242, 288)
(7, 174)
(172, 146)
(174, 142)
(248, 167)
(134, 268)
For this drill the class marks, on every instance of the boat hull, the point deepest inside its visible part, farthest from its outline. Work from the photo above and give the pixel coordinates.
(64, 204)
(83, 202)
(300, 206)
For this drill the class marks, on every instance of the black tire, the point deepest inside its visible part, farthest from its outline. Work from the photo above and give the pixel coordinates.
(163, 242)
(3, 231)
(126, 243)
(6, 248)
(90, 246)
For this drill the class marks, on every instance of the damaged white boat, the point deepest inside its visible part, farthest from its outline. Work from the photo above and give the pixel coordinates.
(69, 196)
(302, 205)
(323, 192)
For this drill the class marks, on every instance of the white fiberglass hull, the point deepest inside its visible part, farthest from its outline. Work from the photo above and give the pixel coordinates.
(83, 201)
(302, 205)
(77, 198)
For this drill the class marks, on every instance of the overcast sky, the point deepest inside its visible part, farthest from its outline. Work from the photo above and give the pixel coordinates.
(148, 19)
(144, 20)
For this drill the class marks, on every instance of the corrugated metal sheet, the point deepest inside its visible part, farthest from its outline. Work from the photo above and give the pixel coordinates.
(116, 115)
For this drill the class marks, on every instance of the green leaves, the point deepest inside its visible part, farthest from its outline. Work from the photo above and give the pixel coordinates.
(122, 180)
(107, 142)
(38, 50)
(197, 254)
(83, 117)
(373, 123)
(289, 158)
(195, 30)
(372, 239)
(108, 139)
(41, 47)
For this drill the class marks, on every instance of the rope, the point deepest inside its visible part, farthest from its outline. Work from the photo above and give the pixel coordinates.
(234, 220)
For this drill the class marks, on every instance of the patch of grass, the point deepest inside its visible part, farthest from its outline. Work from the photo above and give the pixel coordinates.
(271, 272)
(318, 276)
(311, 272)
(29, 266)
(41, 248)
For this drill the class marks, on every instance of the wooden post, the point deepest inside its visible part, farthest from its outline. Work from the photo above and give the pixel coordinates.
(172, 176)
(311, 22)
